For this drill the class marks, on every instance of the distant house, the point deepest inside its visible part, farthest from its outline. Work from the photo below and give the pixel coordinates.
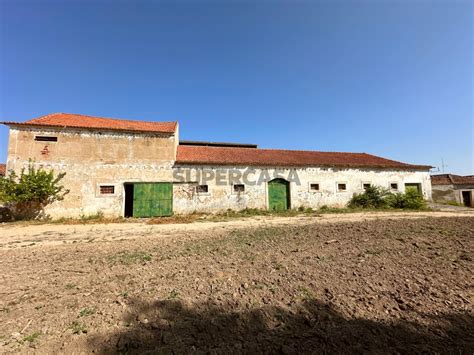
(453, 188)
(142, 169)
(3, 169)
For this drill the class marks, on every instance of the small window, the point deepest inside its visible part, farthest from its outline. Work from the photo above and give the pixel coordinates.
(314, 187)
(202, 189)
(107, 190)
(394, 186)
(46, 139)
(341, 187)
(239, 188)
(366, 186)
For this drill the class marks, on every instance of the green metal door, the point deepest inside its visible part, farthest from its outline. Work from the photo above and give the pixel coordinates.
(278, 195)
(152, 199)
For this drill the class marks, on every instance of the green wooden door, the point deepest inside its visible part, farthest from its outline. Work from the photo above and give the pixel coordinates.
(278, 195)
(152, 199)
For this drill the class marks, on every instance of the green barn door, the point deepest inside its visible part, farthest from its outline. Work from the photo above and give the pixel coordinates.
(152, 199)
(278, 195)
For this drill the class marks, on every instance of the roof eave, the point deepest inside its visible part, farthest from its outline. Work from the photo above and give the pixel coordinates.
(24, 124)
(355, 166)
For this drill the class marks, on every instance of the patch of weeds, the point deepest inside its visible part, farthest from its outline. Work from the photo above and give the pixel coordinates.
(70, 286)
(124, 294)
(86, 312)
(128, 258)
(39, 306)
(178, 219)
(99, 216)
(277, 266)
(305, 293)
(31, 338)
(174, 294)
(280, 317)
(5, 309)
(273, 290)
(323, 258)
(78, 328)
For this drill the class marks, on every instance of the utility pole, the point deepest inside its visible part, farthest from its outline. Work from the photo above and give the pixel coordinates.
(443, 165)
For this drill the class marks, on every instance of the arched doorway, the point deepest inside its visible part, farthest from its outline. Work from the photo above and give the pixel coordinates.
(278, 195)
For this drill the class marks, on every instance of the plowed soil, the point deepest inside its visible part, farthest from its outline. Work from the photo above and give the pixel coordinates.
(377, 286)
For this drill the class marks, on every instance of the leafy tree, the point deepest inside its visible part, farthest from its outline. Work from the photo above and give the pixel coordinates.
(28, 193)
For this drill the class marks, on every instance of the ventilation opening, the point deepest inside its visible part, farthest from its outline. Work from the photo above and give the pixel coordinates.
(46, 139)
(202, 189)
(341, 187)
(239, 188)
(107, 189)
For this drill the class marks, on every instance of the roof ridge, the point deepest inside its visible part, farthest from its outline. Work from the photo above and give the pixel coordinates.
(100, 117)
(280, 149)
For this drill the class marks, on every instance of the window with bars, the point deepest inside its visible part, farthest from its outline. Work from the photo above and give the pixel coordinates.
(239, 188)
(202, 189)
(341, 187)
(107, 189)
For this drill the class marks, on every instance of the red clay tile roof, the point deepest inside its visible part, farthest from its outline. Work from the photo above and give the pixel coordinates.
(274, 157)
(3, 169)
(83, 121)
(450, 179)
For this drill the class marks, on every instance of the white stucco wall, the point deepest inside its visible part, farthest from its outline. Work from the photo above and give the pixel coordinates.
(220, 195)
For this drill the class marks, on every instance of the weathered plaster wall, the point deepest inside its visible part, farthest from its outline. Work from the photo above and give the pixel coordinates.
(221, 196)
(445, 193)
(91, 159)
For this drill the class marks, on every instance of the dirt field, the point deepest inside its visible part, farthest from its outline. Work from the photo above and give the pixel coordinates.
(346, 284)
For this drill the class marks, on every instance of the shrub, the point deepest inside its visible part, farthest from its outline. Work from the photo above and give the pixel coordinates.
(372, 197)
(377, 197)
(28, 193)
(411, 199)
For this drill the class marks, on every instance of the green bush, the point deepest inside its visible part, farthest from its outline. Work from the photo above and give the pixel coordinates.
(377, 197)
(28, 193)
(372, 197)
(411, 200)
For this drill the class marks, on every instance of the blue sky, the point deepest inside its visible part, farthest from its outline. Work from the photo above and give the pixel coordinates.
(392, 78)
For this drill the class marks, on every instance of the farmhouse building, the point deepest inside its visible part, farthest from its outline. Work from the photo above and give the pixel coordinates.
(141, 169)
(453, 188)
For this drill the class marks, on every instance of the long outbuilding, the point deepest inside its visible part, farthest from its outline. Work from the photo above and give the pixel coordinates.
(141, 169)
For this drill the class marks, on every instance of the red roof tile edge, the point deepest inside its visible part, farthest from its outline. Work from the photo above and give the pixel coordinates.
(3, 169)
(224, 156)
(91, 122)
(451, 179)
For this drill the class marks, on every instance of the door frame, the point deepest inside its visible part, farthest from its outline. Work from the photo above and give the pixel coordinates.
(288, 192)
(470, 198)
(127, 209)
